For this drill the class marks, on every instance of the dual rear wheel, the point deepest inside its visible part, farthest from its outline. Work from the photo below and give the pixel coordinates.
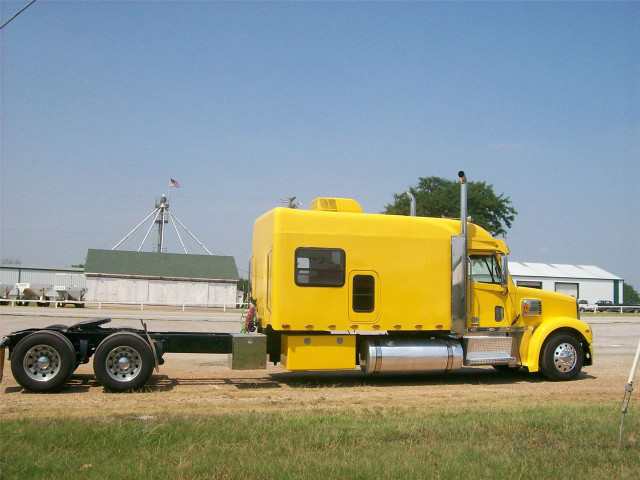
(44, 361)
(123, 361)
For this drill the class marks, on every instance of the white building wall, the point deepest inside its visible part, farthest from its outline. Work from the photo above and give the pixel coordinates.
(166, 291)
(594, 290)
(79, 280)
(222, 293)
(591, 290)
(48, 277)
(160, 291)
(116, 290)
(8, 276)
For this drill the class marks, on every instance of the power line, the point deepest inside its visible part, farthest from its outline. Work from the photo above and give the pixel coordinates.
(17, 13)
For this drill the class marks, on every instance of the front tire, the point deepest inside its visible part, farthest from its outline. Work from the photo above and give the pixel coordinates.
(43, 361)
(123, 361)
(562, 357)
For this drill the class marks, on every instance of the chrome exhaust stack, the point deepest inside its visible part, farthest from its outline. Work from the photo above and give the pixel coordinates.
(412, 199)
(460, 267)
(463, 202)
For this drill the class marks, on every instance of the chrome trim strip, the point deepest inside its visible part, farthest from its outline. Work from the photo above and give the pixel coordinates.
(459, 284)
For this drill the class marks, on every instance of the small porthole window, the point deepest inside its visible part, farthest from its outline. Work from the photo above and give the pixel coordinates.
(364, 293)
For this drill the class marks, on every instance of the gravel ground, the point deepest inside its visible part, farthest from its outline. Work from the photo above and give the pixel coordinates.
(203, 384)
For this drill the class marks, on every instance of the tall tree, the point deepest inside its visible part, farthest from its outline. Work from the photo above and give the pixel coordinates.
(439, 197)
(630, 295)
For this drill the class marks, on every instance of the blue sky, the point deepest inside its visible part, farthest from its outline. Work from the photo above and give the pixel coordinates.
(247, 103)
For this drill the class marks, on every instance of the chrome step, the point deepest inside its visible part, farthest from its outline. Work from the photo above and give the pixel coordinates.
(489, 350)
(488, 358)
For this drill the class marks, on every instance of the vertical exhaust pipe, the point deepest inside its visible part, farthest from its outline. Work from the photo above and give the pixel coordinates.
(460, 267)
(463, 202)
(412, 199)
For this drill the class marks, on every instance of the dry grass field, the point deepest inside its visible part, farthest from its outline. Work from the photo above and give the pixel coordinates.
(516, 420)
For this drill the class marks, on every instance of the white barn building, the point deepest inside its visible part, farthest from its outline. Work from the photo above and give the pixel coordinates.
(581, 281)
(160, 278)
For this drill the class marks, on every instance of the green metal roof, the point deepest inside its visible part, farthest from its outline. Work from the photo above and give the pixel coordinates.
(166, 265)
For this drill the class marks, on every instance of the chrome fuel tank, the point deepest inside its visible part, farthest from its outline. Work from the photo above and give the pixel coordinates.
(410, 355)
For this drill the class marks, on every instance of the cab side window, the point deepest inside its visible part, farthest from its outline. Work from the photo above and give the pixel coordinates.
(484, 269)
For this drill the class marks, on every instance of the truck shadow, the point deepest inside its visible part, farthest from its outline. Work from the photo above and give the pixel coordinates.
(332, 379)
(157, 383)
(465, 376)
(162, 383)
(80, 383)
(76, 384)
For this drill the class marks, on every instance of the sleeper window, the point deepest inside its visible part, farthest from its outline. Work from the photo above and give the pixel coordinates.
(319, 267)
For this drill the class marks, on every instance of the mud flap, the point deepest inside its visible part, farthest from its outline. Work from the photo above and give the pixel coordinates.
(2, 349)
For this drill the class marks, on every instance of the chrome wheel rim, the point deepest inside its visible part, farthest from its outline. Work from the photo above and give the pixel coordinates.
(123, 364)
(42, 363)
(565, 357)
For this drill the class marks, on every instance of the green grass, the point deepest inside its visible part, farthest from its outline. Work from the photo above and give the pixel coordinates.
(500, 443)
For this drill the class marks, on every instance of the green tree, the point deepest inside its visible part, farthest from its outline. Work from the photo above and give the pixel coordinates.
(439, 197)
(630, 295)
(243, 285)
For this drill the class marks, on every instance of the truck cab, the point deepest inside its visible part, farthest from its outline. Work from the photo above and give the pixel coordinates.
(335, 288)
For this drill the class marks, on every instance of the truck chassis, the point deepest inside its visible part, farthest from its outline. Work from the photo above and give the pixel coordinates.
(43, 360)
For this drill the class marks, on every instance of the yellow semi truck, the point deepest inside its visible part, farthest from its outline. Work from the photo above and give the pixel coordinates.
(335, 288)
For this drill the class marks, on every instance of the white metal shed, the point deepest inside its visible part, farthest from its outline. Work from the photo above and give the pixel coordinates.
(586, 282)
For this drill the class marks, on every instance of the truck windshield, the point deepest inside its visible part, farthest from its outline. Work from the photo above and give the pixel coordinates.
(485, 269)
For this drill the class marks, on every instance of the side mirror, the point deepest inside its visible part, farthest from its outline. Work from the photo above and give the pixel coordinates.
(504, 281)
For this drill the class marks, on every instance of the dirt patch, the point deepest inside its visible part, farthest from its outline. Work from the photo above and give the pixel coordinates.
(196, 390)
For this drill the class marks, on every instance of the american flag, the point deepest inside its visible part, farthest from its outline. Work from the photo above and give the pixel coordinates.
(173, 183)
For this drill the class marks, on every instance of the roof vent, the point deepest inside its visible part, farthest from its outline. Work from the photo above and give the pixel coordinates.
(336, 205)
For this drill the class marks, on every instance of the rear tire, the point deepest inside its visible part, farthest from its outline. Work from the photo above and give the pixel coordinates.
(43, 361)
(123, 361)
(562, 357)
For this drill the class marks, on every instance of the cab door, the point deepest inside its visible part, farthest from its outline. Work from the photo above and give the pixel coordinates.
(488, 297)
